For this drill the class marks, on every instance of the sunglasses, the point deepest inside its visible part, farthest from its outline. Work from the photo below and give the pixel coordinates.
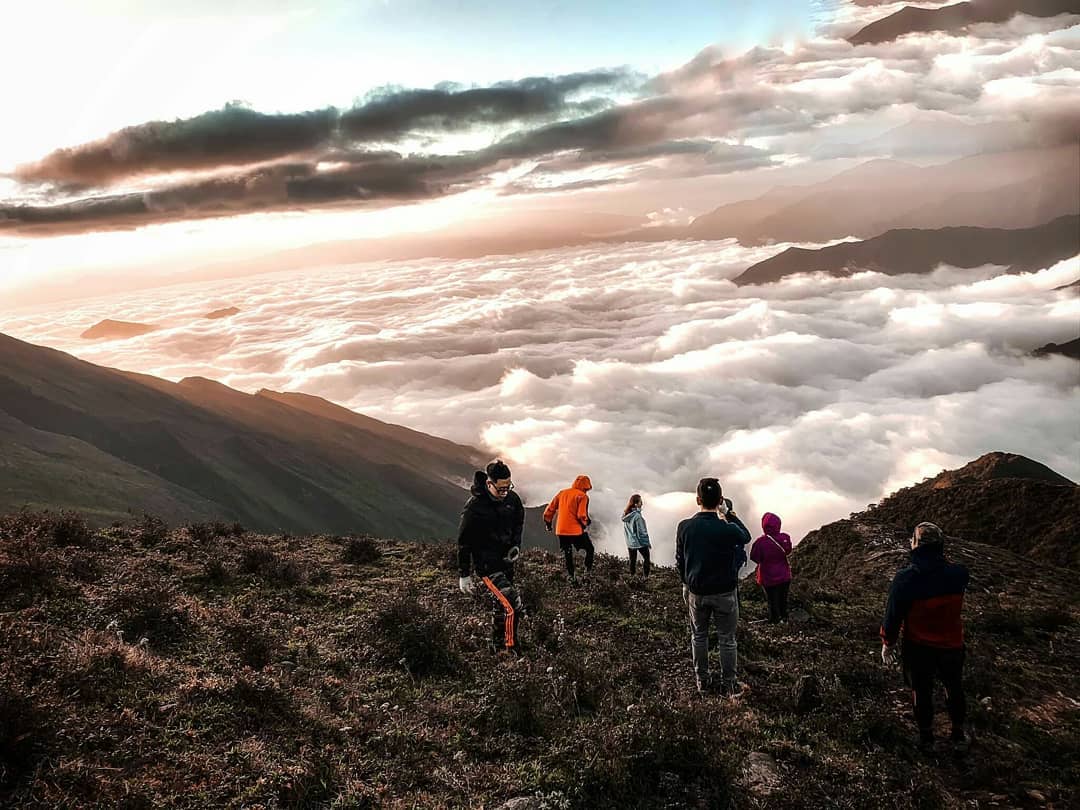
(503, 490)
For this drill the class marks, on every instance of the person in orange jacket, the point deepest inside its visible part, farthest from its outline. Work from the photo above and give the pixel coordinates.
(572, 526)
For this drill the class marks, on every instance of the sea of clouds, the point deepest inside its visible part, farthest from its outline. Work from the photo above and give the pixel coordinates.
(643, 366)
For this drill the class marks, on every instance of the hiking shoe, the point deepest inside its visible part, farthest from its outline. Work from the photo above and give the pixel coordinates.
(732, 689)
(703, 684)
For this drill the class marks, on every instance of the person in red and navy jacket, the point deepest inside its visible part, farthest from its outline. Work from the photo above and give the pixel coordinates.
(926, 600)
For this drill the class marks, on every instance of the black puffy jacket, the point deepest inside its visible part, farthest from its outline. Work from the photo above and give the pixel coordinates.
(489, 529)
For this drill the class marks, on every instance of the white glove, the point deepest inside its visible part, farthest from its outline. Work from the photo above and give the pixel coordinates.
(686, 594)
(889, 656)
(465, 584)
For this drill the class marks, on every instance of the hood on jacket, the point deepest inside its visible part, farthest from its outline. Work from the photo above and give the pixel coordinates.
(479, 484)
(928, 557)
(770, 523)
(583, 483)
(631, 515)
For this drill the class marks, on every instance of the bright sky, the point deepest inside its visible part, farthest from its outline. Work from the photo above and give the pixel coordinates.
(114, 63)
(142, 92)
(119, 63)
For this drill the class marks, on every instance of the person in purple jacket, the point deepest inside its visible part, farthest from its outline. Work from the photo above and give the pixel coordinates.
(770, 552)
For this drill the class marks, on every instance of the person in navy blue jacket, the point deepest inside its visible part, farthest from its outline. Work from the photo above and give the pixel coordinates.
(926, 601)
(710, 548)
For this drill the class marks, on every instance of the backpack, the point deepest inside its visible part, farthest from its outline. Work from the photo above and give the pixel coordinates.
(738, 554)
(738, 559)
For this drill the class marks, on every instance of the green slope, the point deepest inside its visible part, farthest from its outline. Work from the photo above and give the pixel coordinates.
(78, 435)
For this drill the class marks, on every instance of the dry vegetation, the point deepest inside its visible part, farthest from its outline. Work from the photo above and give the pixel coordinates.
(208, 667)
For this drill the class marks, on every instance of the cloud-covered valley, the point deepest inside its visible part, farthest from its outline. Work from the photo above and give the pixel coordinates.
(644, 366)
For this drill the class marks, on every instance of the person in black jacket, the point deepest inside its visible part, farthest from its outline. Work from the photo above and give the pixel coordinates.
(489, 541)
(926, 600)
(709, 550)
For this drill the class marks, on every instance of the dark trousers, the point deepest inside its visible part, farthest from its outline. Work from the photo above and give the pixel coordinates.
(921, 665)
(581, 542)
(777, 596)
(506, 608)
(646, 564)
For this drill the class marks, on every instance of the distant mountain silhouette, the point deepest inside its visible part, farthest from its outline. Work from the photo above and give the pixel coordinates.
(109, 329)
(81, 436)
(1002, 190)
(955, 17)
(920, 251)
(218, 314)
(1068, 349)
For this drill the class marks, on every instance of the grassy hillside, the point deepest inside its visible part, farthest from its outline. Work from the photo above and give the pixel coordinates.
(81, 436)
(211, 667)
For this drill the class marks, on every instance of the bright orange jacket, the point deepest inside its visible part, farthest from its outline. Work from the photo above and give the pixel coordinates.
(573, 507)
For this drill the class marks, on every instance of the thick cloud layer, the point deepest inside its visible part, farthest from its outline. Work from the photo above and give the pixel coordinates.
(645, 367)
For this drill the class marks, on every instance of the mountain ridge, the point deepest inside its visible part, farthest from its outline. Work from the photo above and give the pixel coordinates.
(217, 452)
(955, 17)
(915, 250)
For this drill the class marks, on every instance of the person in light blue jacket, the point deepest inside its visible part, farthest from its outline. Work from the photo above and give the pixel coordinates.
(637, 535)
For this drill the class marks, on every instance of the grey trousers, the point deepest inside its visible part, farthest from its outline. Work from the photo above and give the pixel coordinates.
(723, 608)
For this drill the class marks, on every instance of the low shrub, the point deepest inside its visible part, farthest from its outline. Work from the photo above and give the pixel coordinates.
(216, 569)
(657, 751)
(609, 592)
(361, 551)
(517, 705)
(147, 606)
(267, 564)
(412, 635)
(231, 707)
(57, 528)
(27, 571)
(99, 667)
(84, 566)
(253, 645)
(151, 531)
(588, 680)
(201, 533)
(23, 731)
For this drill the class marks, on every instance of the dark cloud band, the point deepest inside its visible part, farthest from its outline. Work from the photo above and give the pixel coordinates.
(236, 136)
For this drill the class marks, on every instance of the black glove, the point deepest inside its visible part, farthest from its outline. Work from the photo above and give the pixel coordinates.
(547, 525)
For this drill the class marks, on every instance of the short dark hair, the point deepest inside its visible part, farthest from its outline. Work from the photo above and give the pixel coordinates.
(929, 534)
(709, 492)
(497, 470)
